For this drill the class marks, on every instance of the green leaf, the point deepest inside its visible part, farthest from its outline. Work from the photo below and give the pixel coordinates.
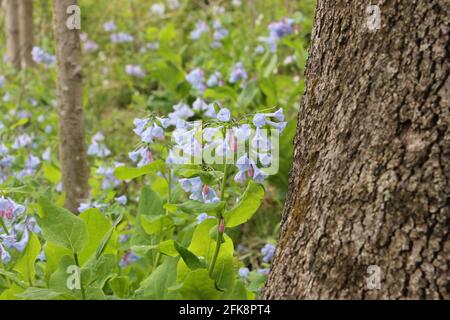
(25, 265)
(191, 260)
(62, 227)
(156, 225)
(165, 247)
(53, 254)
(198, 286)
(120, 286)
(106, 239)
(97, 226)
(33, 293)
(129, 173)
(203, 246)
(156, 286)
(244, 210)
(149, 205)
(51, 173)
(19, 123)
(197, 207)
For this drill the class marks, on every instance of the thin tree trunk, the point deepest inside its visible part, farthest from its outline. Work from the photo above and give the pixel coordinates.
(371, 173)
(12, 32)
(26, 32)
(72, 149)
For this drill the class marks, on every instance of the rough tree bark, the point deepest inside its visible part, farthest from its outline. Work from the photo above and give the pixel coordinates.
(72, 149)
(12, 32)
(26, 32)
(371, 169)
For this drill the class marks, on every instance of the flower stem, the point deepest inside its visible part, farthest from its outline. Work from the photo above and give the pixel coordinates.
(83, 294)
(4, 226)
(220, 224)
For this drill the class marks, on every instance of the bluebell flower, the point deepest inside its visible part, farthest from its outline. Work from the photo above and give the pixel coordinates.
(109, 26)
(277, 31)
(124, 238)
(263, 271)
(242, 132)
(200, 28)
(260, 141)
(128, 258)
(197, 79)
(165, 122)
(23, 140)
(158, 9)
(9, 209)
(268, 252)
(41, 57)
(202, 217)
(209, 133)
(135, 71)
(140, 125)
(109, 179)
(259, 49)
(7, 97)
(173, 4)
(32, 101)
(220, 32)
(259, 120)
(2, 81)
(224, 115)
(278, 125)
(214, 80)
(122, 199)
(244, 273)
(238, 73)
(97, 148)
(5, 257)
(46, 155)
(142, 155)
(30, 167)
(265, 159)
(121, 37)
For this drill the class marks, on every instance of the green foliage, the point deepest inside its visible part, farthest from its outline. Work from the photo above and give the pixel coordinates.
(62, 227)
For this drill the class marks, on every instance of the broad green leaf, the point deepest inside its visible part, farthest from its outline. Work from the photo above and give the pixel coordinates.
(51, 173)
(53, 255)
(97, 226)
(25, 265)
(240, 292)
(197, 207)
(166, 247)
(62, 227)
(155, 225)
(156, 286)
(110, 236)
(129, 173)
(203, 246)
(197, 285)
(11, 293)
(191, 260)
(120, 286)
(244, 210)
(33, 293)
(149, 205)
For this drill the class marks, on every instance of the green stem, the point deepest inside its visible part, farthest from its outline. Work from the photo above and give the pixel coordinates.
(83, 293)
(219, 238)
(169, 200)
(4, 226)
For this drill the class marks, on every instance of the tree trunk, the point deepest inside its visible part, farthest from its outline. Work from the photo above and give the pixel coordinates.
(371, 170)
(72, 149)
(26, 32)
(12, 32)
